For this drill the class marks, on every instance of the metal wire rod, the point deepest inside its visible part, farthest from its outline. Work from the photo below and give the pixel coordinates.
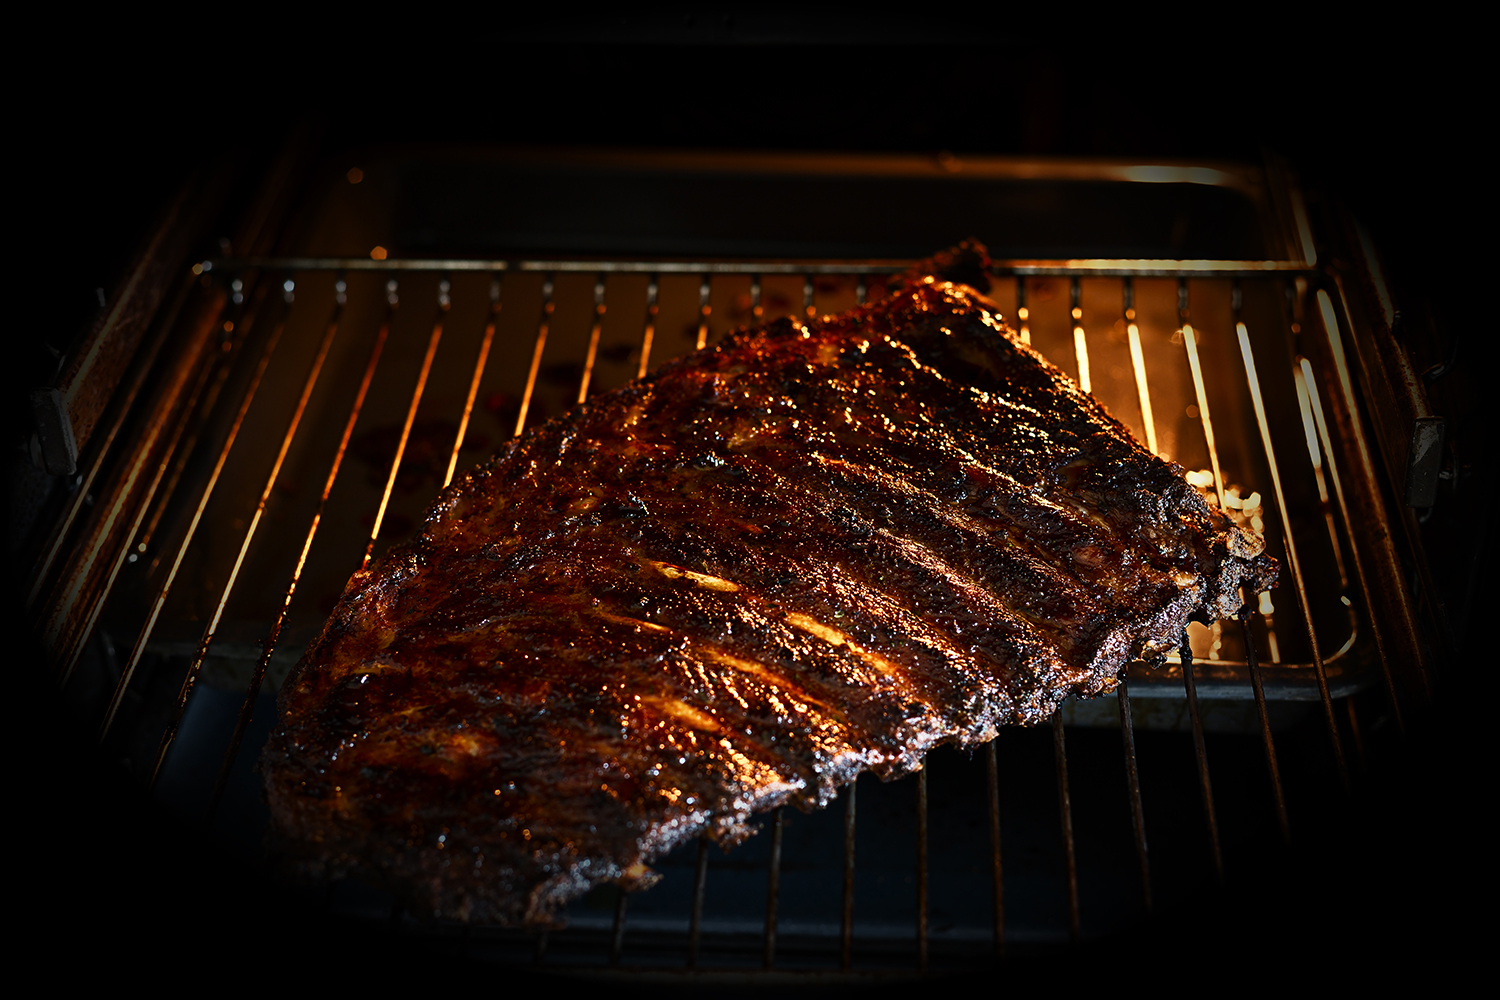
(1023, 313)
(1080, 340)
(411, 415)
(179, 429)
(543, 325)
(1265, 724)
(617, 932)
(846, 918)
(1377, 628)
(703, 311)
(996, 872)
(1133, 782)
(149, 626)
(1138, 366)
(1102, 267)
(649, 333)
(1295, 564)
(209, 632)
(1205, 786)
(479, 363)
(773, 890)
(922, 867)
(695, 918)
(594, 332)
(1365, 470)
(1065, 815)
(257, 677)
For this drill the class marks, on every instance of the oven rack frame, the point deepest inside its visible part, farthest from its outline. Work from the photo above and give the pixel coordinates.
(224, 301)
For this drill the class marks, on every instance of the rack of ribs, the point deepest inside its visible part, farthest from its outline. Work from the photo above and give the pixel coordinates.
(810, 551)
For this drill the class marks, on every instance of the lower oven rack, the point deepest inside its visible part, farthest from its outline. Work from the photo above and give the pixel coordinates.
(318, 405)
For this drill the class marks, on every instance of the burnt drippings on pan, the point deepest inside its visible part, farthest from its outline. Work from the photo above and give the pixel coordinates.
(811, 551)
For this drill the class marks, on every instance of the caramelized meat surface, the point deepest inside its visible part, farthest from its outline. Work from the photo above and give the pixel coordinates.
(809, 552)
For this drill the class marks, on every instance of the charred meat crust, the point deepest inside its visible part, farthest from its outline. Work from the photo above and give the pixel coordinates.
(808, 552)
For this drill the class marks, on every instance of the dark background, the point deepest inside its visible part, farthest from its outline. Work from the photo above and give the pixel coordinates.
(109, 118)
(1382, 116)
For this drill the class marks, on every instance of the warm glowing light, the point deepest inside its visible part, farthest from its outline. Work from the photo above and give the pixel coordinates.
(355, 175)
(834, 637)
(1142, 389)
(197, 268)
(1023, 313)
(1302, 376)
(1200, 477)
(1308, 428)
(378, 253)
(1265, 603)
(684, 712)
(1077, 313)
(619, 620)
(1081, 349)
(701, 579)
(744, 666)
